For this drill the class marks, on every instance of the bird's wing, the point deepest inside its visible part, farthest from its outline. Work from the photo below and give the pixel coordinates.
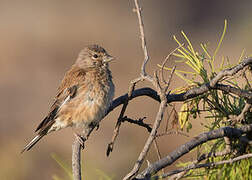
(66, 92)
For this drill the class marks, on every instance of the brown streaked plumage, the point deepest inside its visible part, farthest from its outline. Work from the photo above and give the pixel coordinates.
(83, 96)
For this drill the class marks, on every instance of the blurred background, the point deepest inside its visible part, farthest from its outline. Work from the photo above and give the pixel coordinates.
(40, 40)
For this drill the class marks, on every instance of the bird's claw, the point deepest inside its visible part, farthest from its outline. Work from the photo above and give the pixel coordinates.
(81, 140)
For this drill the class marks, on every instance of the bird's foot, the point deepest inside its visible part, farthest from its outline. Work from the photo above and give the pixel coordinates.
(81, 140)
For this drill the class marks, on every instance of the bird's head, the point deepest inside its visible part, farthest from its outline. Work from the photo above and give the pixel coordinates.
(93, 56)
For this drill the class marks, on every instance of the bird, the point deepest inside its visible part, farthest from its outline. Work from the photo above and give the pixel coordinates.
(83, 96)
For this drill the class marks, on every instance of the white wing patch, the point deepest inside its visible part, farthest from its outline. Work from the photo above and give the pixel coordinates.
(64, 102)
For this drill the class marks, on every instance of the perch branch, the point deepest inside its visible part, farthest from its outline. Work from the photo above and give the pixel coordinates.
(76, 152)
(76, 160)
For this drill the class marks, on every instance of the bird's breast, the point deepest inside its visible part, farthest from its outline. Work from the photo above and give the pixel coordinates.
(93, 102)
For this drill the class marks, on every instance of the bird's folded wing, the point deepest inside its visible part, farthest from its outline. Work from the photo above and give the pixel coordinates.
(61, 100)
(66, 91)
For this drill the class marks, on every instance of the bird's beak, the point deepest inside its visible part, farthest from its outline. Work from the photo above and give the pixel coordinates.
(108, 58)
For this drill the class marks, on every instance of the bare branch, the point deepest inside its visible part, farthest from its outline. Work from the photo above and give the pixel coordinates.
(169, 80)
(158, 151)
(200, 139)
(179, 97)
(119, 120)
(244, 111)
(171, 131)
(165, 61)
(117, 127)
(245, 76)
(148, 142)
(183, 172)
(144, 47)
(138, 122)
(209, 165)
(76, 160)
(76, 151)
(229, 72)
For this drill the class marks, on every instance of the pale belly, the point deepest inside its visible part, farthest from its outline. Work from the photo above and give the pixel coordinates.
(90, 112)
(85, 109)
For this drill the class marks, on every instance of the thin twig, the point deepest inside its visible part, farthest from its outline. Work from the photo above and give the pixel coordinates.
(138, 122)
(158, 151)
(119, 120)
(165, 61)
(167, 85)
(229, 72)
(244, 111)
(143, 40)
(116, 130)
(246, 78)
(172, 131)
(168, 119)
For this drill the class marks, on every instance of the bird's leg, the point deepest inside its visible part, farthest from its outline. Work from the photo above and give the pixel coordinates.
(81, 139)
(82, 133)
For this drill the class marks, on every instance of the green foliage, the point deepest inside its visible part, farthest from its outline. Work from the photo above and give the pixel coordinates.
(216, 105)
(66, 167)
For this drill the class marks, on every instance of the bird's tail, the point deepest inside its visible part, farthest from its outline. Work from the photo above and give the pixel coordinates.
(32, 143)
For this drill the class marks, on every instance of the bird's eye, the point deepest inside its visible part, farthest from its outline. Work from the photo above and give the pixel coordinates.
(95, 56)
